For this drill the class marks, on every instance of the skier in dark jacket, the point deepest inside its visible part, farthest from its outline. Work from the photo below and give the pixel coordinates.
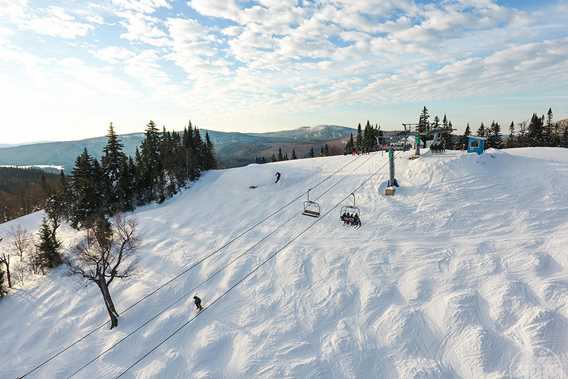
(278, 175)
(197, 302)
(356, 221)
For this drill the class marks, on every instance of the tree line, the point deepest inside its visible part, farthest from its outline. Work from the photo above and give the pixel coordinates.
(367, 139)
(24, 190)
(539, 131)
(282, 155)
(94, 197)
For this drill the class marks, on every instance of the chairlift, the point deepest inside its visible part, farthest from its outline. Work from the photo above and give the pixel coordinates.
(350, 211)
(311, 208)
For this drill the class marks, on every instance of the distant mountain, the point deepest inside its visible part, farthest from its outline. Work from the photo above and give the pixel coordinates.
(5, 145)
(233, 149)
(310, 133)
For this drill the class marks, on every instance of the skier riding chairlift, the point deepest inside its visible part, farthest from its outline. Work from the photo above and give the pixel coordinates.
(350, 214)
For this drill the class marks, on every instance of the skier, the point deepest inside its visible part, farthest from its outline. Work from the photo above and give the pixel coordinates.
(197, 302)
(356, 221)
(277, 177)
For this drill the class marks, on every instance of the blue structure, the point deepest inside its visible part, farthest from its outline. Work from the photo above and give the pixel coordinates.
(475, 144)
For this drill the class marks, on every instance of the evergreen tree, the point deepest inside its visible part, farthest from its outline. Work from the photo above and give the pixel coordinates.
(445, 122)
(326, 150)
(359, 141)
(511, 137)
(112, 161)
(349, 145)
(188, 153)
(294, 154)
(84, 191)
(101, 186)
(280, 155)
(48, 247)
(312, 153)
(127, 185)
(463, 139)
(171, 165)
(199, 150)
(536, 131)
(436, 123)
(322, 152)
(211, 160)
(274, 159)
(522, 138)
(423, 122)
(564, 140)
(496, 139)
(139, 181)
(548, 133)
(481, 130)
(151, 169)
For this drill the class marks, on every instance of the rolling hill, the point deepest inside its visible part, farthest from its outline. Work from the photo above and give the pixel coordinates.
(233, 149)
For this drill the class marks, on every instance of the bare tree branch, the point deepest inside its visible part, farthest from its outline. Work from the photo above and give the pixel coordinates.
(100, 256)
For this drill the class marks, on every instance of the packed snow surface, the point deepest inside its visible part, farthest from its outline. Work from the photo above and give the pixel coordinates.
(462, 274)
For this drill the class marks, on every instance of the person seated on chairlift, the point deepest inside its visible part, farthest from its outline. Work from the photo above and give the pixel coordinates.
(348, 219)
(356, 220)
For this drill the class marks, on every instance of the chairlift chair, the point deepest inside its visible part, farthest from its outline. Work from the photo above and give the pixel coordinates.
(311, 208)
(350, 209)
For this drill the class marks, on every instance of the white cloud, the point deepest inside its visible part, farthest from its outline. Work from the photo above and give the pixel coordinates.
(114, 54)
(5, 35)
(143, 28)
(95, 19)
(281, 56)
(56, 22)
(142, 6)
(13, 9)
(227, 9)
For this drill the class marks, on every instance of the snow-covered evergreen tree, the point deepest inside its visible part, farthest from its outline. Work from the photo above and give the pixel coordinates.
(48, 246)
(112, 162)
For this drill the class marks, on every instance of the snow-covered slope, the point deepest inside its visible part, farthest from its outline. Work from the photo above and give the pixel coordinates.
(464, 273)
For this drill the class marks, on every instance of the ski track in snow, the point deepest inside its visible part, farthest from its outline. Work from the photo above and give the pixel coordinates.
(462, 274)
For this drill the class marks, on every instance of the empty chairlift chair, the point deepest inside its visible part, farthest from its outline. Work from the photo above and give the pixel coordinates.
(311, 208)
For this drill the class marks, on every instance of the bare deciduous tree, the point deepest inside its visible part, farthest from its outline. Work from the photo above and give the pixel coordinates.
(102, 256)
(22, 241)
(5, 260)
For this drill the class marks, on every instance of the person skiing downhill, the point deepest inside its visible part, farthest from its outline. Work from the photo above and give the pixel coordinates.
(197, 302)
(277, 177)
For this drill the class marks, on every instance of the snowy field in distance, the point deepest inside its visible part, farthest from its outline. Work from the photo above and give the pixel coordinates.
(462, 274)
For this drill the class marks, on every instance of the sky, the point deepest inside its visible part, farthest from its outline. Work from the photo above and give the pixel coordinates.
(69, 68)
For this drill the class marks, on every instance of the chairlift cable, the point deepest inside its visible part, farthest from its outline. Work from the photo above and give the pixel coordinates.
(180, 274)
(189, 292)
(248, 275)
